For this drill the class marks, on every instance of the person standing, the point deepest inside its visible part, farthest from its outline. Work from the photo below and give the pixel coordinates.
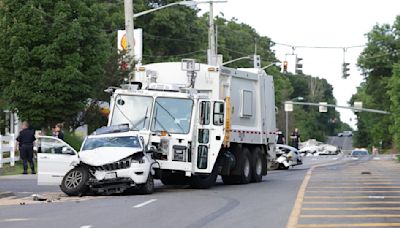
(57, 131)
(280, 137)
(25, 141)
(295, 138)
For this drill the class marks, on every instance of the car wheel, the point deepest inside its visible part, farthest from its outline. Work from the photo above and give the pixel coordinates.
(148, 187)
(75, 181)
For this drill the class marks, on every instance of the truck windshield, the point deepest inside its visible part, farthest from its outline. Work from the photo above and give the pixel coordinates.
(125, 141)
(172, 115)
(132, 110)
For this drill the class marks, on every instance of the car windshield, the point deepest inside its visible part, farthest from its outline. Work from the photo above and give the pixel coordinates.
(132, 110)
(172, 115)
(124, 141)
(359, 153)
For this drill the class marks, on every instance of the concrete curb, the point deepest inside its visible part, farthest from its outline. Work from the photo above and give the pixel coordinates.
(6, 194)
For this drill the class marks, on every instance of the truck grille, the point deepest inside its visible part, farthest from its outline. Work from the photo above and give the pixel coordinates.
(124, 164)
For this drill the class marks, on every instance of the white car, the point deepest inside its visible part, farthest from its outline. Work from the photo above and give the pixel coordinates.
(110, 162)
(287, 156)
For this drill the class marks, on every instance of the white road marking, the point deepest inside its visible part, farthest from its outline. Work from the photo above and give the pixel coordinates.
(15, 219)
(88, 226)
(144, 203)
(376, 197)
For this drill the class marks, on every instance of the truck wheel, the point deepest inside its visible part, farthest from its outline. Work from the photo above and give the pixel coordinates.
(74, 182)
(257, 165)
(204, 181)
(174, 179)
(148, 187)
(243, 160)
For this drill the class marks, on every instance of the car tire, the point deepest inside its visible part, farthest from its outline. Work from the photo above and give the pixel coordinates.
(204, 181)
(75, 181)
(257, 165)
(148, 187)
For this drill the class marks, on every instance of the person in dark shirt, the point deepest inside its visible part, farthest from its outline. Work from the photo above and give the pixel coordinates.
(25, 141)
(295, 137)
(57, 132)
(280, 137)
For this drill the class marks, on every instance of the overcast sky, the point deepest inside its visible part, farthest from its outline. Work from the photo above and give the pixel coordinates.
(340, 23)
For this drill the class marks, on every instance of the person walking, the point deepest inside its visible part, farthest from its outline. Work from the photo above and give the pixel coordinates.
(25, 141)
(295, 138)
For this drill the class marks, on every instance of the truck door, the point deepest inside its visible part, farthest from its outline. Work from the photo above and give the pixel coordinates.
(209, 134)
(55, 159)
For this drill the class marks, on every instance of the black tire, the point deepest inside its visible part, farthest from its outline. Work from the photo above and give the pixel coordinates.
(174, 179)
(204, 181)
(75, 181)
(244, 163)
(257, 165)
(282, 166)
(148, 187)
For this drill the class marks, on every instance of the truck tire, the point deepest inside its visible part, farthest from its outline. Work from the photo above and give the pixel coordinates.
(244, 163)
(257, 165)
(75, 181)
(148, 187)
(174, 179)
(204, 181)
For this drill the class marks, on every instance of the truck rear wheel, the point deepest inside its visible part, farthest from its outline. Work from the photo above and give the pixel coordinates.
(204, 181)
(243, 160)
(257, 165)
(74, 182)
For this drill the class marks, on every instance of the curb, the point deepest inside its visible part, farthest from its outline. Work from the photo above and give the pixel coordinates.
(6, 194)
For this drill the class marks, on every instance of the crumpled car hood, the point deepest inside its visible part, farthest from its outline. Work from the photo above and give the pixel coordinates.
(104, 155)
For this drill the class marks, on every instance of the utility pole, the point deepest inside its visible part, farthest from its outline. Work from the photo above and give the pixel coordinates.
(211, 37)
(129, 27)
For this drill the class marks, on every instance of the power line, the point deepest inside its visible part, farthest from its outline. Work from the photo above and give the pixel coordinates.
(177, 55)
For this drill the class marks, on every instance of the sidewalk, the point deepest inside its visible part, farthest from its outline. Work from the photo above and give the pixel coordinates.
(4, 194)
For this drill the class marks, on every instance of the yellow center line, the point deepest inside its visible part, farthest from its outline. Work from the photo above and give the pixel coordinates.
(354, 202)
(348, 197)
(352, 216)
(351, 225)
(350, 208)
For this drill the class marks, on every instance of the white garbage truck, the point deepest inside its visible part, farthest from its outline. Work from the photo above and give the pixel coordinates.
(195, 122)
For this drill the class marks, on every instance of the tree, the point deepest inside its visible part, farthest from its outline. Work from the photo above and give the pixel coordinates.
(377, 64)
(51, 55)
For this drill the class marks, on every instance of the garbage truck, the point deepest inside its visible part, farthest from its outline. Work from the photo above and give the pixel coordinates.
(192, 122)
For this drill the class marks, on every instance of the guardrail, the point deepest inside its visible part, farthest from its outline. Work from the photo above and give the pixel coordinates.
(7, 144)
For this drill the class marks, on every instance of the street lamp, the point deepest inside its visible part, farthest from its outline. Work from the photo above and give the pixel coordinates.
(289, 108)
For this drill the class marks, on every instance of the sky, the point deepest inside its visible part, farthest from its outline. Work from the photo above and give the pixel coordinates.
(332, 23)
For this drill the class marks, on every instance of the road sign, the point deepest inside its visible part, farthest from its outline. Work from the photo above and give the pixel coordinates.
(288, 106)
(138, 44)
(323, 107)
(357, 105)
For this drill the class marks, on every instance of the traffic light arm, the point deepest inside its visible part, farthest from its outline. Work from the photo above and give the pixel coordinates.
(339, 106)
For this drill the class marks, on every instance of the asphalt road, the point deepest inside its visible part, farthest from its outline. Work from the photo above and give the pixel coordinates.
(265, 204)
(346, 143)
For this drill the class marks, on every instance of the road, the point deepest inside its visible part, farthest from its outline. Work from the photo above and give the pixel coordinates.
(265, 204)
(327, 191)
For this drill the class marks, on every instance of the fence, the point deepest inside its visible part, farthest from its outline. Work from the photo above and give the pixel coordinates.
(7, 144)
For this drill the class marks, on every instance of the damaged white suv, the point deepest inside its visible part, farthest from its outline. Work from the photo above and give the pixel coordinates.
(111, 161)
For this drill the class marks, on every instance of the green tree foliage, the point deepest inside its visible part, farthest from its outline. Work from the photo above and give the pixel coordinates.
(394, 93)
(377, 63)
(51, 55)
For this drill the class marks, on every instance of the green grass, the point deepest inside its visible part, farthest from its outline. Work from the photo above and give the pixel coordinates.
(12, 170)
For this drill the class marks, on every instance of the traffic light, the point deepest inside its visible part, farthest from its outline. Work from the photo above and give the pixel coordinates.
(299, 66)
(285, 66)
(255, 60)
(345, 70)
